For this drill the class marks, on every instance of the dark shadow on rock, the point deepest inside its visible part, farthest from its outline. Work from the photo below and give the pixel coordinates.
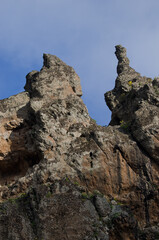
(23, 153)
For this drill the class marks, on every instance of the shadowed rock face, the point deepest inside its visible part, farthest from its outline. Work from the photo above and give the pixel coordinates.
(64, 177)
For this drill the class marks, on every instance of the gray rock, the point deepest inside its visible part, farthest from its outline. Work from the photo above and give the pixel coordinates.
(58, 167)
(102, 206)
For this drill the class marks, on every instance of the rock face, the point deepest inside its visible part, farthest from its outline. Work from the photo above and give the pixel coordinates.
(64, 177)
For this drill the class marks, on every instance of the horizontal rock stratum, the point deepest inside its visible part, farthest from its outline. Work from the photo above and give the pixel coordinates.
(63, 177)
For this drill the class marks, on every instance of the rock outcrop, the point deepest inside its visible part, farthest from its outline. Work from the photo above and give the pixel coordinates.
(64, 177)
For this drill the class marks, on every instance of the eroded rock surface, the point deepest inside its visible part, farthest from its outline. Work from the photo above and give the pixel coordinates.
(64, 177)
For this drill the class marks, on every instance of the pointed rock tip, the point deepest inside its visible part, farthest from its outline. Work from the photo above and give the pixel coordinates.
(123, 61)
(53, 72)
(50, 60)
(120, 52)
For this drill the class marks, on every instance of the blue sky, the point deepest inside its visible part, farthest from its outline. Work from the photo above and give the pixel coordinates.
(83, 33)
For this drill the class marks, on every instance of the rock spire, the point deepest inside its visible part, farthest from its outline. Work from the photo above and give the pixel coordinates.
(64, 177)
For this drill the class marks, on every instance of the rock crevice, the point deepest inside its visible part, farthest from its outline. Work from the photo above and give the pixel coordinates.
(64, 177)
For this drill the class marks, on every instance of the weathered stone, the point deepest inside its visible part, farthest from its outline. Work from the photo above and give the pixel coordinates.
(64, 177)
(102, 206)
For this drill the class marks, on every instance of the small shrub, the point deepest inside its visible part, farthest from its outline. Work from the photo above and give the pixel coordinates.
(23, 195)
(118, 203)
(85, 195)
(76, 183)
(49, 194)
(67, 179)
(124, 125)
(156, 78)
(12, 200)
(97, 193)
(149, 80)
(93, 120)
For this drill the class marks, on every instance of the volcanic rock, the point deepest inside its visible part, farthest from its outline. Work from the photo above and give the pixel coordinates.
(64, 177)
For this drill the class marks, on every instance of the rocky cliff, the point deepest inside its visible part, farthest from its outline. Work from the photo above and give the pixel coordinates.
(63, 177)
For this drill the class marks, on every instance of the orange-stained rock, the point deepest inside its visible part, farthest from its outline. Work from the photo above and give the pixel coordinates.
(64, 177)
